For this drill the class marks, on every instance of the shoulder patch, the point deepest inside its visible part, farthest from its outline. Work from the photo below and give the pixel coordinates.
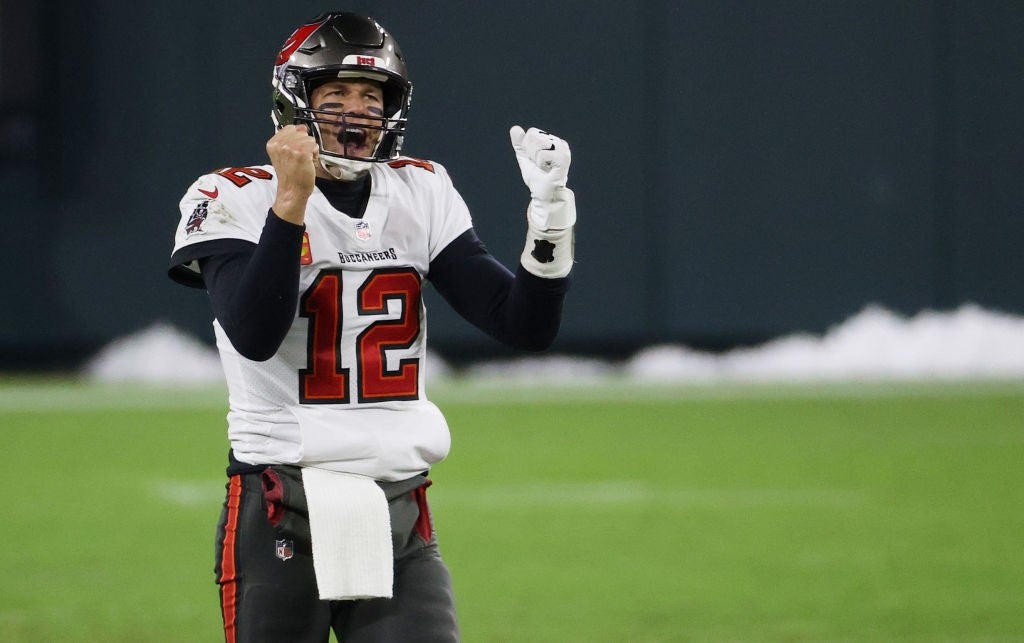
(197, 218)
(400, 163)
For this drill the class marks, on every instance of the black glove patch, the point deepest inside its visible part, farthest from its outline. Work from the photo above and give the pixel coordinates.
(543, 251)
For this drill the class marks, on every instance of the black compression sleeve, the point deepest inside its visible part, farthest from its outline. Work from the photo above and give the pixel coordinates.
(521, 310)
(254, 292)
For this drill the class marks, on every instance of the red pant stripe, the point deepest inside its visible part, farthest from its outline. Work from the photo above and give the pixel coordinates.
(228, 584)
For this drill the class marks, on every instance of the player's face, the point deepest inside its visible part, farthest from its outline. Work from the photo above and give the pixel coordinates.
(355, 98)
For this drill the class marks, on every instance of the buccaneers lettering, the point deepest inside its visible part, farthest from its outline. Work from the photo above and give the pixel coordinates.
(367, 257)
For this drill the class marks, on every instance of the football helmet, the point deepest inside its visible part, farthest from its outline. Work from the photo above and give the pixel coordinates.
(343, 45)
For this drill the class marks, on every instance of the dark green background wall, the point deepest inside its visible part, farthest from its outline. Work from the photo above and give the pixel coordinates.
(742, 169)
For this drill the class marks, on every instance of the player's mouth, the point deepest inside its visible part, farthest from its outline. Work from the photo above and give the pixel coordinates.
(355, 141)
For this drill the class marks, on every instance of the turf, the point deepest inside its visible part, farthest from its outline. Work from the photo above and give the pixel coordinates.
(565, 514)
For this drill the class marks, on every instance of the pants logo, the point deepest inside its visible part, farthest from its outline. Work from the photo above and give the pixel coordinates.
(284, 549)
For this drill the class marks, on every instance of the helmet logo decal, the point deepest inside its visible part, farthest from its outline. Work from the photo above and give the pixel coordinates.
(295, 41)
(363, 60)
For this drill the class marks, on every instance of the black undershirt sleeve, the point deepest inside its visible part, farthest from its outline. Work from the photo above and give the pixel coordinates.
(521, 310)
(254, 291)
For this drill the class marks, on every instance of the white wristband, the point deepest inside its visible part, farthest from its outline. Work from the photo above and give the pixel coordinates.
(548, 254)
(555, 213)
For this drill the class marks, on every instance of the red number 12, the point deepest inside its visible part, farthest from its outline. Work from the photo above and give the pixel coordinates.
(325, 380)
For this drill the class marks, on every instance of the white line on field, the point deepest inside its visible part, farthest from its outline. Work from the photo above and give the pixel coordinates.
(484, 391)
(80, 397)
(607, 493)
(63, 395)
(633, 493)
(188, 493)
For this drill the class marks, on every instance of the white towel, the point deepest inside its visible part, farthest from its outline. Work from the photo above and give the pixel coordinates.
(351, 535)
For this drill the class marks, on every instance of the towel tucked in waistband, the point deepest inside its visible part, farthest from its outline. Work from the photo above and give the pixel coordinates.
(350, 529)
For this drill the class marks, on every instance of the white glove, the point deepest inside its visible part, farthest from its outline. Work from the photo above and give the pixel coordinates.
(544, 163)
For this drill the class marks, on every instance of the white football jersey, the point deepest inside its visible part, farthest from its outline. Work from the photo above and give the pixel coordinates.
(345, 391)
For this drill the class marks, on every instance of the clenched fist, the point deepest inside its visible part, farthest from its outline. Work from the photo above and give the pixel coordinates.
(295, 156)
(544, 163)
(543, 160)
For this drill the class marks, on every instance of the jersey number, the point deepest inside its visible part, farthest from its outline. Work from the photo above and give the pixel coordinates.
(325, 380)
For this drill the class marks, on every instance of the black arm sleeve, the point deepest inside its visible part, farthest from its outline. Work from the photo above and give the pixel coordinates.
(254, 291)
(521, 309)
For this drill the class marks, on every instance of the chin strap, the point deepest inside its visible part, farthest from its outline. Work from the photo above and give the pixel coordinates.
(344, 169)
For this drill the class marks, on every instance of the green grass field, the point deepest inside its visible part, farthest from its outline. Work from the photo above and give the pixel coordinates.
(882, 513)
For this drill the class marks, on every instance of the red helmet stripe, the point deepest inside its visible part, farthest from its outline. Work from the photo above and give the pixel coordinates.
(295, 41)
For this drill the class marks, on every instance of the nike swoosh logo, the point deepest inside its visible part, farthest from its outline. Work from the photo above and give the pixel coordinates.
(212, 194)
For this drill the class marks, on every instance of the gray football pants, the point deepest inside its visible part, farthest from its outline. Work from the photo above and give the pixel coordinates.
(268, 588)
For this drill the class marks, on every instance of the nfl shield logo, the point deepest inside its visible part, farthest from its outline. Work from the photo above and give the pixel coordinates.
(284, 549)
(363, 231)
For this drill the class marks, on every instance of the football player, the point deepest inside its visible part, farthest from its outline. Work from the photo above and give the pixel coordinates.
(314, 265)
